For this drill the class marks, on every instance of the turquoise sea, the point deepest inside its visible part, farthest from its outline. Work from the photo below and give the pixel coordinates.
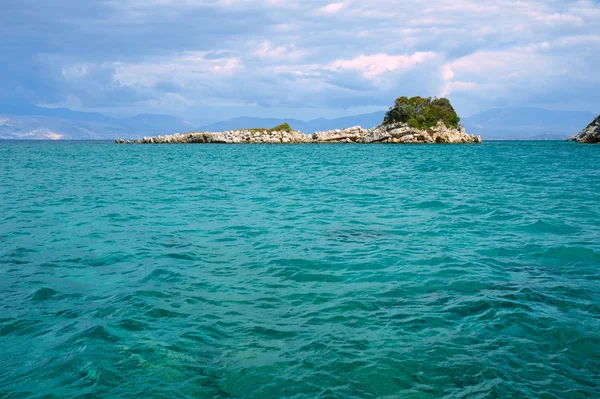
(300, 271)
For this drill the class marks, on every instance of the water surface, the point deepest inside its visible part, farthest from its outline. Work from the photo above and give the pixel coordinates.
(301, 271)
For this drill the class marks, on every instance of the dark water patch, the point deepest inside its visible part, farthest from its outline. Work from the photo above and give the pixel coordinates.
(22, 327)
(20, 252)
(163, 313)
(270, 333)
(544, 227)
(358, 235)
(96, 333)
(197, 338)
(296, 264)
(43, 294)
(182, 256)
(132, 325)
(195, 299)
(163, 275)
(32, 211)
(176, 244)
(570, 254)
(472, 308)
(106, 260)
(106, 312)
(427, 205)
(151, 294)
(503, 215)
(67, 313)
(311, 277)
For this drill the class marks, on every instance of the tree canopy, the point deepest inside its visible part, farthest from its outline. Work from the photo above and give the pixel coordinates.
(422, 113)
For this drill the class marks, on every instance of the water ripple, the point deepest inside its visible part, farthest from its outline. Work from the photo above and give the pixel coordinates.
(299, 271)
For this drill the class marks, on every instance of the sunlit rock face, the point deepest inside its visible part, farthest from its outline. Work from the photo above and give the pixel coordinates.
(228, 137)
(591, 134)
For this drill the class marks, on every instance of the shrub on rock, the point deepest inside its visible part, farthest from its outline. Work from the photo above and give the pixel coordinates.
(284, 127)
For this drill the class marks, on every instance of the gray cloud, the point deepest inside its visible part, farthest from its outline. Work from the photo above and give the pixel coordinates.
(191, 56)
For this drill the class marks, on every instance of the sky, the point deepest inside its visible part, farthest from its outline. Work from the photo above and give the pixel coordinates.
(216, 59)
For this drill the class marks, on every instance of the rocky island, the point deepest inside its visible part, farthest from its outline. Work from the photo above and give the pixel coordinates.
(409, 121)
(591, 134)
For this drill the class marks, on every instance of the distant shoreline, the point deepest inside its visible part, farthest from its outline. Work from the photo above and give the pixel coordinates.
(111, 141)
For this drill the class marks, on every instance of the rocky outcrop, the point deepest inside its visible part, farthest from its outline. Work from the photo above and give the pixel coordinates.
(228, 137)
(393, 133)
(349, 135)
(591, 134)
(404, 134)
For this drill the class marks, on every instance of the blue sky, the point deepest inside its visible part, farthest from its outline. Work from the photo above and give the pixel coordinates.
(217, 59)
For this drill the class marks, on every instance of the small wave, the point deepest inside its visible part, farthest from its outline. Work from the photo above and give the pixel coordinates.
(132, 325)
(97, 333)
(43, 294)
(163, 313)
(163, 275)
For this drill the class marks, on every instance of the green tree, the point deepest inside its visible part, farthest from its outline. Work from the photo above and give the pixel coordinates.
(422, 113)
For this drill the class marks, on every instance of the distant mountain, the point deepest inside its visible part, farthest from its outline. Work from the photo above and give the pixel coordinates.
(153, 122)
(25, 121)
(49, 128)
(63, 113)
(315, 125)
(497, 124)
(526, 124)
(247, 122)
(366, 121)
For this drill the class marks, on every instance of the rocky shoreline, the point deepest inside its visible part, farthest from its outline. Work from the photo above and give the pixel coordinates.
(591, 134)
(394, 133)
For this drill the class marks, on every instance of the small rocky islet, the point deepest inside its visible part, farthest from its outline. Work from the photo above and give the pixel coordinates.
(410, 121)
(591, 134)
(397, 133)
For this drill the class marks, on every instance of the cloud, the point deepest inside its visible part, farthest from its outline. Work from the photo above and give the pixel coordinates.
(377, 64)
(525, 74)
(332, 8)
(190, 67)
(313, 56)
(266, 49)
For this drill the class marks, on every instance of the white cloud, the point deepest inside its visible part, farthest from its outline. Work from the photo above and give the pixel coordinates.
(191, 67)
(522, 74)
(267, 50)
(283, 52)
(171, 102)
(332, 8)
(75, 71)
(377, 64)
